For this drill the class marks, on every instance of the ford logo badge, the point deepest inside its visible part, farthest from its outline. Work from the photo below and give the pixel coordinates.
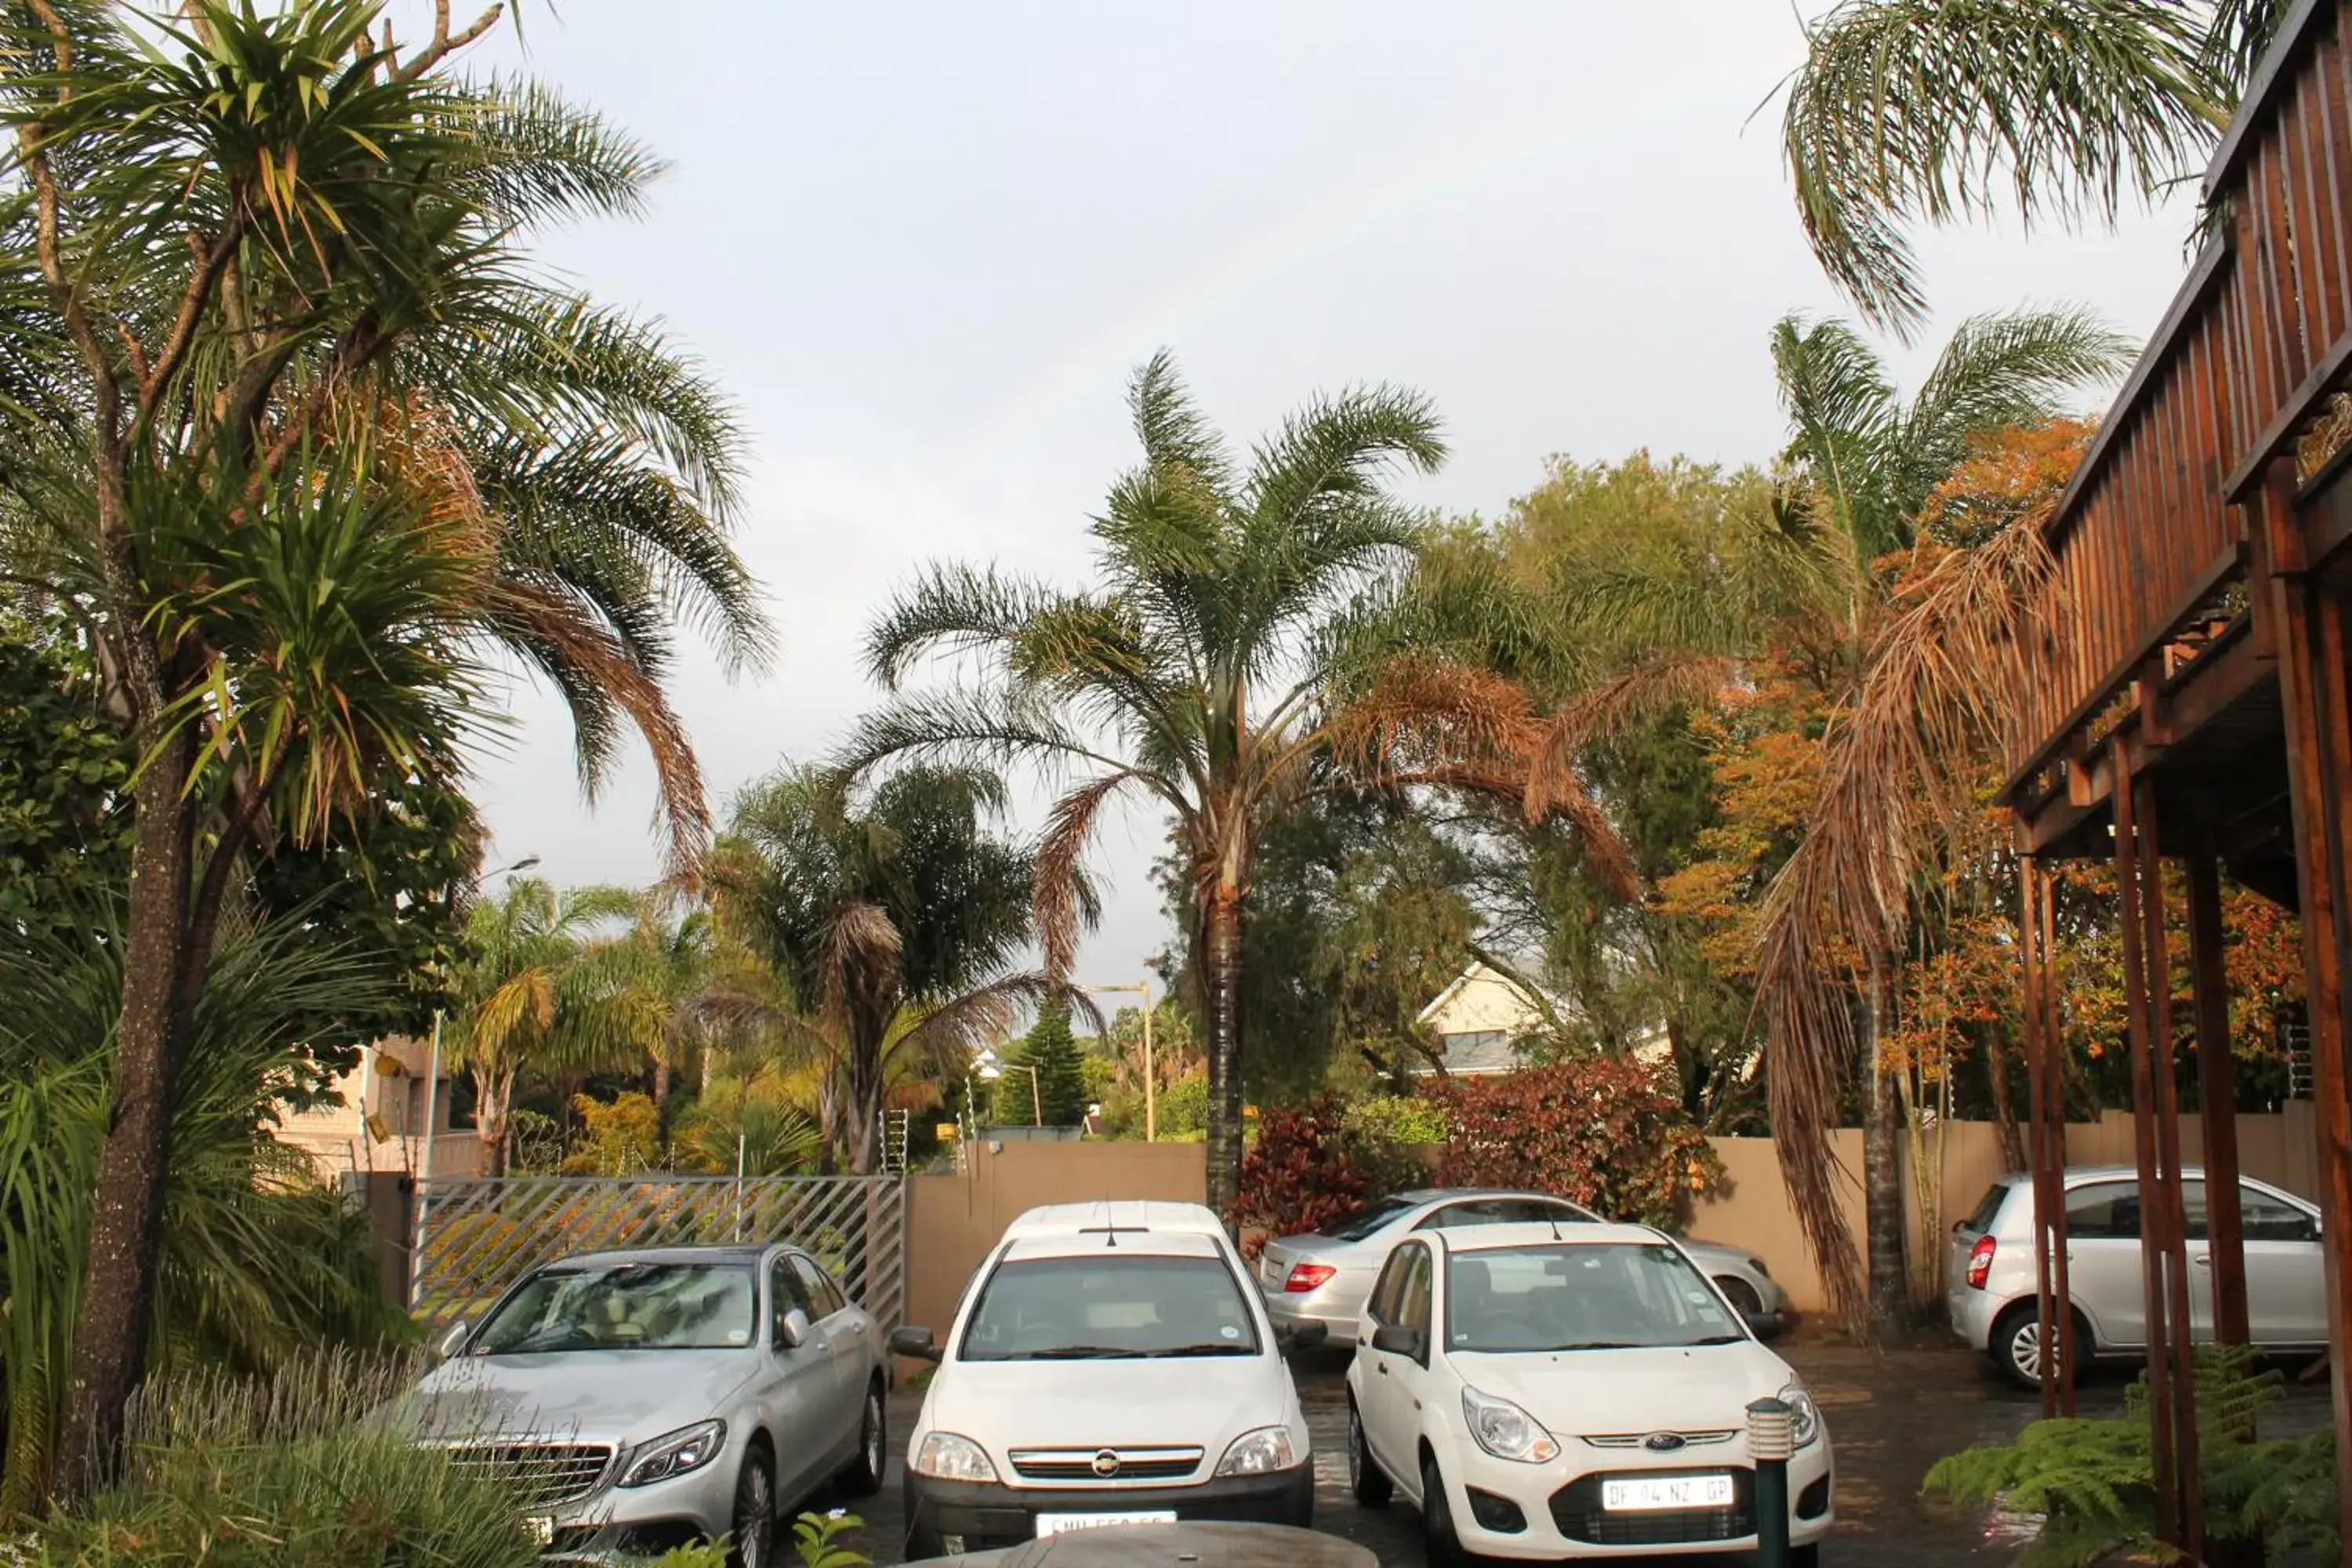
(1662, 1442)
(1106, 1463)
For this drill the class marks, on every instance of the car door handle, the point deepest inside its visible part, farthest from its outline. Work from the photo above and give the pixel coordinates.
(1384, 1369)
(2202, 1262)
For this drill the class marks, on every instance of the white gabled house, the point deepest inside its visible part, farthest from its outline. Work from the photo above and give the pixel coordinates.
(1480, 1018)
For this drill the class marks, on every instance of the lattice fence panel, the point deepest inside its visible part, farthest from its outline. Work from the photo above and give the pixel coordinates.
(473, 1237)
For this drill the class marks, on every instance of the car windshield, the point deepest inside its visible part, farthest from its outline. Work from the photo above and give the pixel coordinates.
(1607, 1295)
(626, 1307)
(1365, 1221)
(1110, 1305)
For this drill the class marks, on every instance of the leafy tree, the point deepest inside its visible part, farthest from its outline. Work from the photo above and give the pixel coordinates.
(1909, 111)
(1243, 640)
(266, 330)
(1051, 1051)
(887, 920)
(64, 835)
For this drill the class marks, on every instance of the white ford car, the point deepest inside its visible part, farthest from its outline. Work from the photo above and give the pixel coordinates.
(1544, 1392)
(1111, 1364)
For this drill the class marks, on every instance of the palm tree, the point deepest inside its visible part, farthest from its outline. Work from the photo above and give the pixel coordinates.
(1252, 641)
(1802, 578)
(529, 1003)
(266, 274)
(654, 981)
(1912, 110)
(887, 922)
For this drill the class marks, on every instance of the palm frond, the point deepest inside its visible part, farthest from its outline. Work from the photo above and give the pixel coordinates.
(1909, 111)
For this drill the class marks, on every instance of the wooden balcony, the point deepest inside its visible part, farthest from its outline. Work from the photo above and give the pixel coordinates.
(2192, 699)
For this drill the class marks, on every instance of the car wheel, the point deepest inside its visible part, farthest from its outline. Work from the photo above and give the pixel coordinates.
(863, 1477)
(1741, 1295)
(2017, 1343)
(1439, 1542)
(1366, 1479)
(1806, 1556)
(753, 1536)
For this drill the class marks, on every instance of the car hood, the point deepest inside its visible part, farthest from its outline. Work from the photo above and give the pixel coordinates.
(1702, 1388)
(1207, 1400)
(623, 1396)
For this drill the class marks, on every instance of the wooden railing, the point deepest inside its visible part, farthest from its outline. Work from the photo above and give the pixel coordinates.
(2145, 538)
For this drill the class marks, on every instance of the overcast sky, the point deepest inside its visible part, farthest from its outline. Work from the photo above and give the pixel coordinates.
(925, 244)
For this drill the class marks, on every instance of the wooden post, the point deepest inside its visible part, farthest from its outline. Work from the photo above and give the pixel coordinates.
(2037, 1146)
(2165, 1242)
(2309, 618)
(2133, 931)
(2217, 1093)
(2053, 1077)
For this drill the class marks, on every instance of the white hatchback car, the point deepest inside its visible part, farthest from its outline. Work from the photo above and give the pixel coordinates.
(1544, 1392)
(1111, 1364)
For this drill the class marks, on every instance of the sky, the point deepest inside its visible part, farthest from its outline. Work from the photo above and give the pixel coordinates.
(923, 245)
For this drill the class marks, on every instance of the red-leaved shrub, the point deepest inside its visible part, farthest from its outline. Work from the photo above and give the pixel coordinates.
(1296, 1177)
(1601, 1131)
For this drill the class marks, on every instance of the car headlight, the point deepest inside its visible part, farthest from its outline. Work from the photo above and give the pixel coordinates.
(944, 1456)
(1259, 1453)
(1806, 1426)
(675, 1453)
(1506, 1431)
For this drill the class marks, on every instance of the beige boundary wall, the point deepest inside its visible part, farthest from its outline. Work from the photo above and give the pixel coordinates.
(954, 1218)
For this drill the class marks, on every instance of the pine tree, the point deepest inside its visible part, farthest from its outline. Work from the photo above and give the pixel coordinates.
(1051, 1050)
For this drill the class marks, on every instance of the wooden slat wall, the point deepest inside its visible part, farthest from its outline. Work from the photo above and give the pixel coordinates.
(2147, 517)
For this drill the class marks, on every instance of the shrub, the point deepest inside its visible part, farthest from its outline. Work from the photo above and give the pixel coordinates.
(1602, 1132)
(1297, 1176)
(284, 1471)
(2094, 1481)
(1184, 1107)
(616, 1140)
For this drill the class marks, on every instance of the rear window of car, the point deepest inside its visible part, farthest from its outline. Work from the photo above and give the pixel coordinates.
(1107, 1306)
(1988, 1208)
(1365, 1221)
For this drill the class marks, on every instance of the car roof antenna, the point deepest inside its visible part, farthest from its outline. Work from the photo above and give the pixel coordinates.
(1553, 1216)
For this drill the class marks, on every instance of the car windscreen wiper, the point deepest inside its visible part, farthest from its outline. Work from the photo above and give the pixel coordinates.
(1720, 1340)
(1209, 1347)
(1600, 1345)
(1078, 1352)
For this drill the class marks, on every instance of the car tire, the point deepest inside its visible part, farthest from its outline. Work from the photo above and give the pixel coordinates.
(923, 1541)
(1741, 1295)
(863, 1477)
(1367, 1481)
(751, 1543)
(1441, 1544)
(1805, 1556)
(2015, 1347)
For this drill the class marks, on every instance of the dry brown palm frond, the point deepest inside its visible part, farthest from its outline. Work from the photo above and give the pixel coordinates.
(949, 1036)
(1901, 786)
(1060, 894)
(551, 620)
(861, 950)
(1658, 684)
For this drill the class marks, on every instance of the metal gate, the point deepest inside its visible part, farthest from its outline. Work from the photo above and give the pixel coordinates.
(472, 1236)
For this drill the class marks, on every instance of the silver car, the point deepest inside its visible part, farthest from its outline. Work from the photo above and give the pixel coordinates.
(1322, 1277)
(640, 1399)
(1992, 1294)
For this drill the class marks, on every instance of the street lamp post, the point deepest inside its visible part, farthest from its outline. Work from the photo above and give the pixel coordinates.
(1150, 1078)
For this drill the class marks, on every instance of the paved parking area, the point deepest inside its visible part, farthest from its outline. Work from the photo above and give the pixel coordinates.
(1892, 1413)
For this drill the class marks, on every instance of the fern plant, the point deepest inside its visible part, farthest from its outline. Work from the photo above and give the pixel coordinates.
(2093, 1483)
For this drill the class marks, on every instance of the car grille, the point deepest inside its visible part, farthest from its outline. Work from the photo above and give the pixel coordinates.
(543, 1475)
(1576, 1509)
(1642, 1439)
(1078, 1464)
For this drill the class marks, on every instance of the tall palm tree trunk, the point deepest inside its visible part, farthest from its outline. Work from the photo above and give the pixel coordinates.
(126, 1225)
(863, 1110)
(1890, 1289)
(1220, 972)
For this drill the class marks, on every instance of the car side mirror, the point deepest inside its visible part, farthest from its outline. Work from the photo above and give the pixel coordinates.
(1307, 1336)
(791, 1329)
(1395, 1339)
(915, 1344)
(452, 1340)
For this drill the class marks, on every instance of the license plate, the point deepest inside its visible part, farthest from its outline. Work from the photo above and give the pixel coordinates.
(540, 1531)
(1057, 1523)
(1666, 1492)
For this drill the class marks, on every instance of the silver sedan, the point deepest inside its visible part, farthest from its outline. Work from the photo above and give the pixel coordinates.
(639, 1400)
(1322, 1277)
